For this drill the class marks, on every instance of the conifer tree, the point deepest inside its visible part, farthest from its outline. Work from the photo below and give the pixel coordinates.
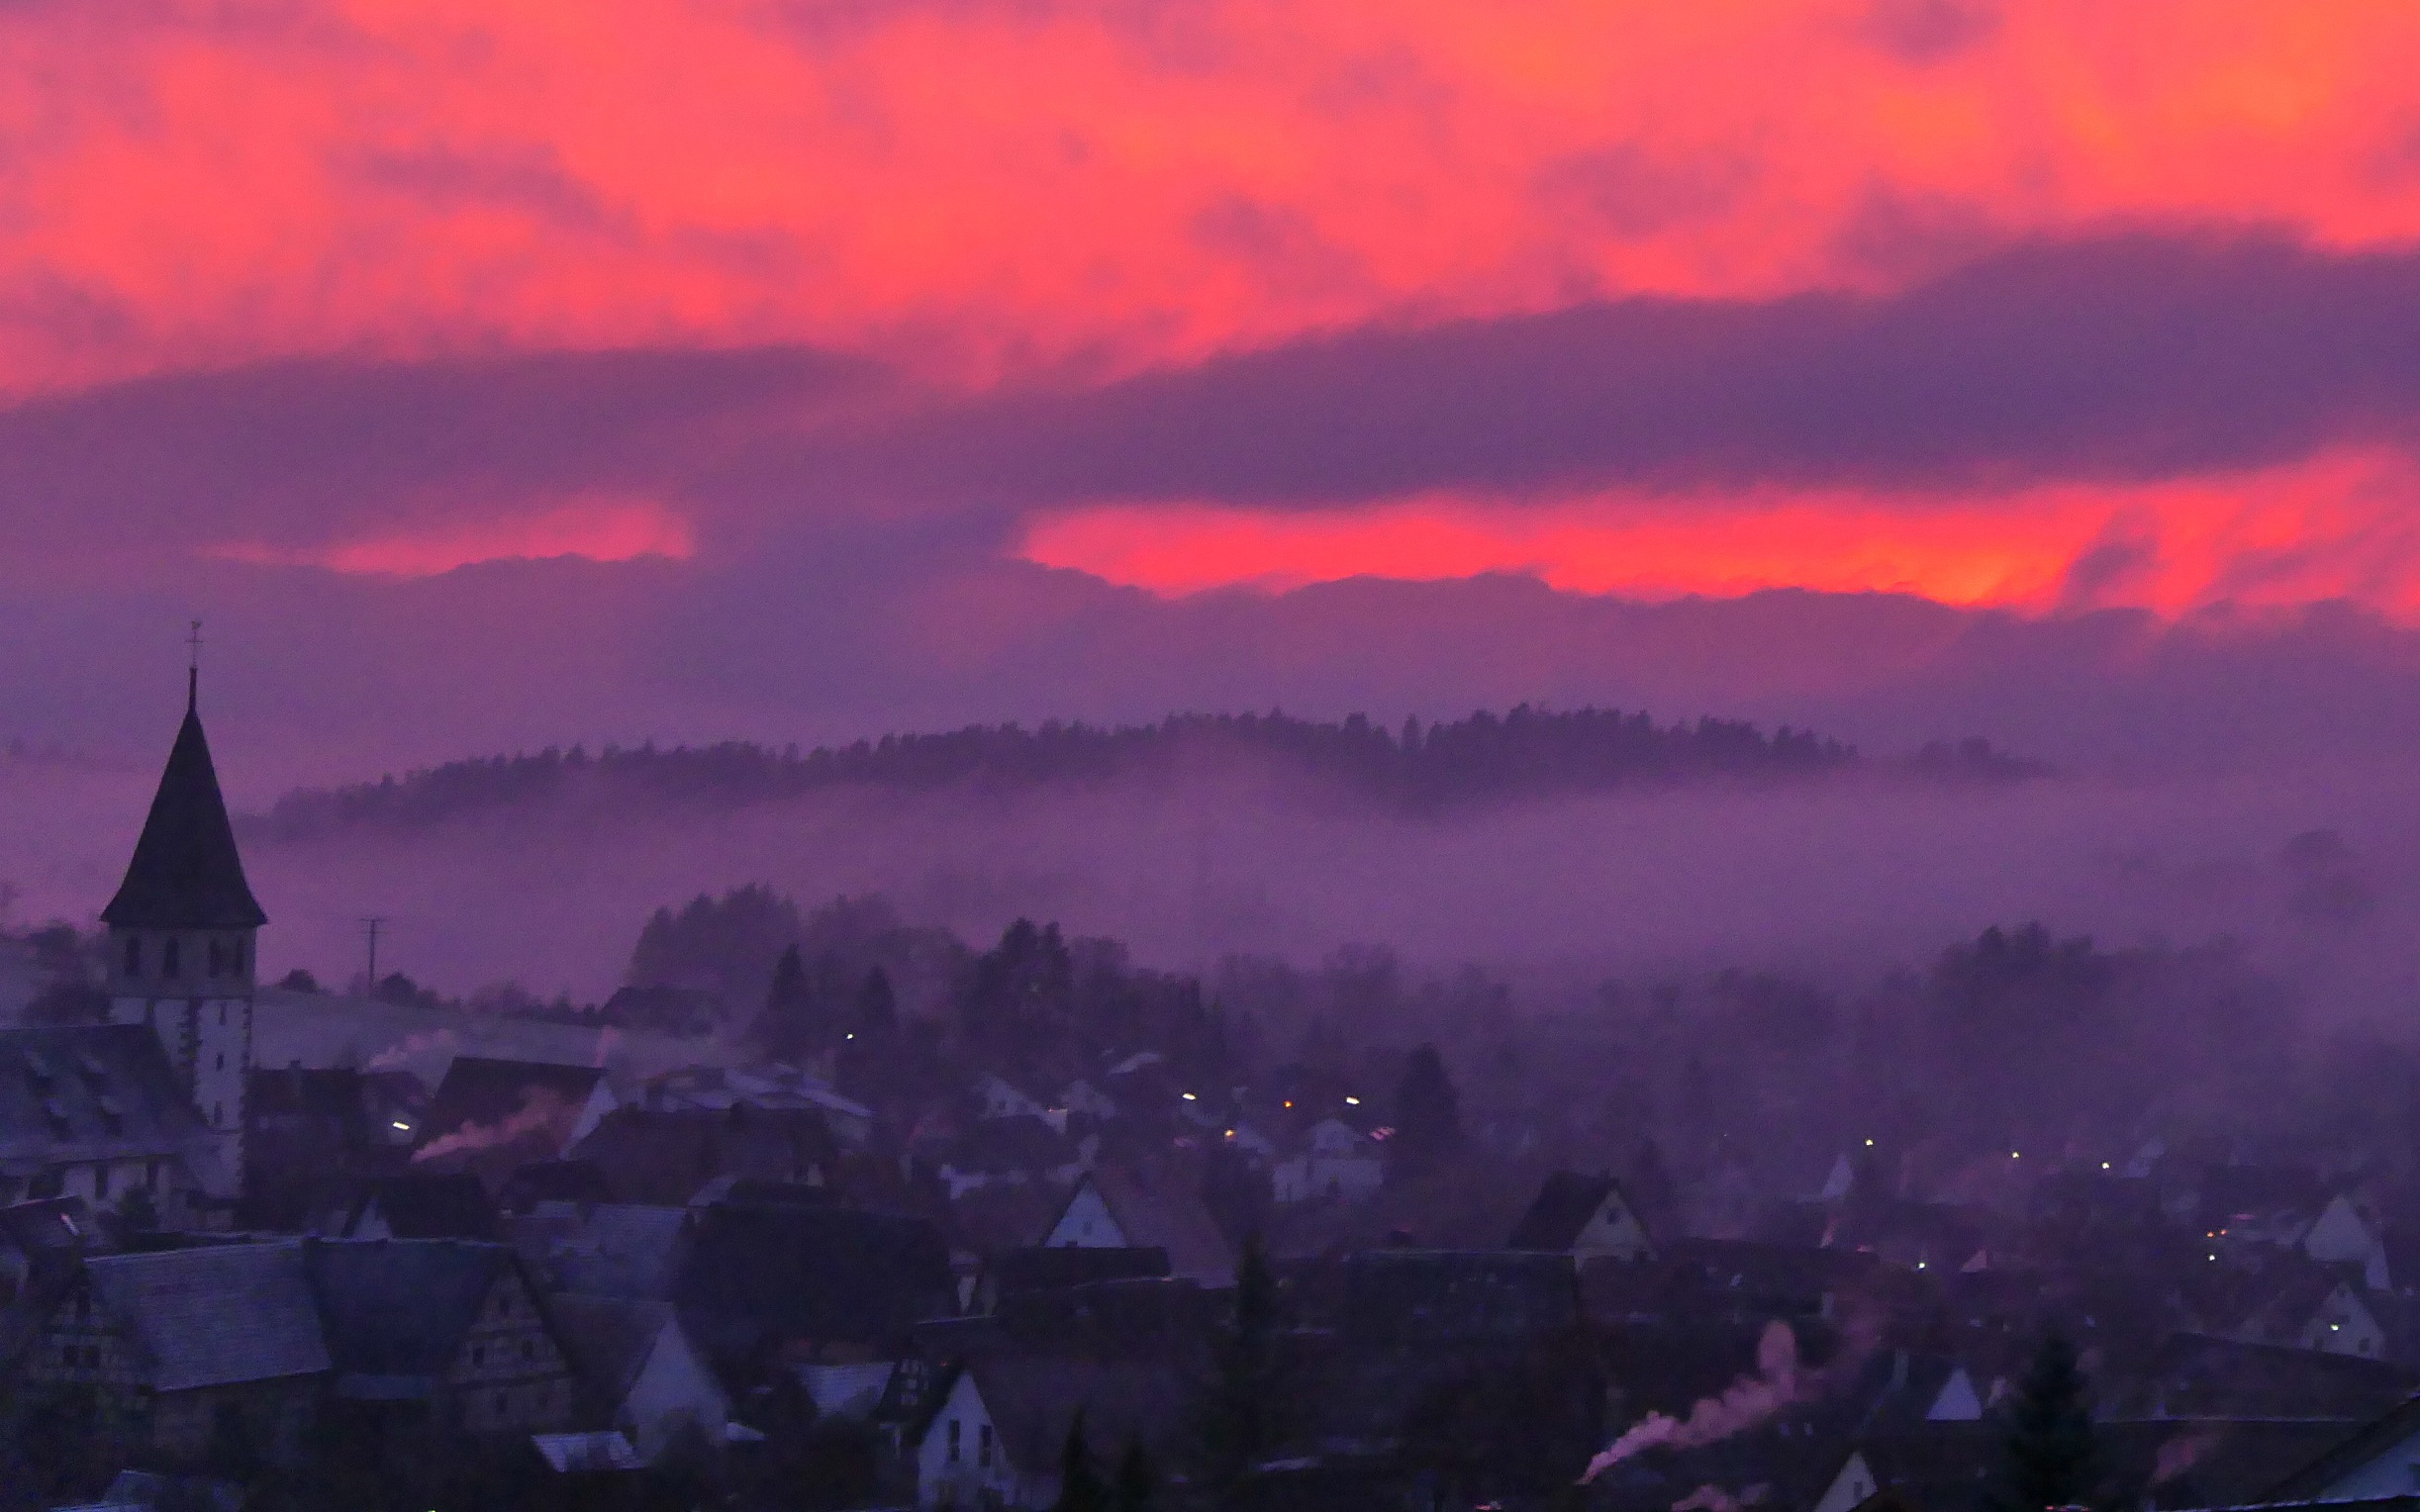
(1243, 1414)
(1135, 1479)
(1080, 1487)
(1428, 1114)
(2050, 1456)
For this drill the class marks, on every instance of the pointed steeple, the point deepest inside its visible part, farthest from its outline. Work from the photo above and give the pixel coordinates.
(186, 873)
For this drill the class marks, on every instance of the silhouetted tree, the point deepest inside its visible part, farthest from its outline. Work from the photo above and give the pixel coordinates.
(69, 1003)
(783, 1028)
(877, 1006)
(1428, 1114)
(1136, 1483)
(1080, 1487)
(1244, 1412)
(1020, 996)
(2050, 1456)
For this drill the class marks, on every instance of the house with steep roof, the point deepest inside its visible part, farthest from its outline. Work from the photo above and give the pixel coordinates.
(40, 1238)
(665, 1155)
(1000, 1426)
(96, 1112)
(1426, 1297)
(610, 1249)
(639, 1367)
(996, 1096)
(2308, 1307)
(435, 1337)
(307, 1130)
(1061, 1268)
(180, 1349)
(183, 927)
(1332, 1160)
(1584, 1216)
(494, 1116)
(424, 1204)
(1013, 1151)
(2374, 1461)
(2344, 1233)
(761, 1282)
(1118, 1208)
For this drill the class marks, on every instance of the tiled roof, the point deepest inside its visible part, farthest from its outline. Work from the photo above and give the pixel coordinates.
(89, 1092)
(610, 1250)
(397, 1308)
(1161, 1212)
(1562, 1209)
(754, 1276)
(609, 1337)
(1405, 1297)
(216, 1314)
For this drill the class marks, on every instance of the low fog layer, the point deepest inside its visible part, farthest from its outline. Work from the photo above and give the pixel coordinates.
(1846, 876)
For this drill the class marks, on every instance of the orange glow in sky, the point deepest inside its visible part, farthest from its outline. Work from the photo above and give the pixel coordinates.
(976, 192)
(2334, 528)
(977, 186)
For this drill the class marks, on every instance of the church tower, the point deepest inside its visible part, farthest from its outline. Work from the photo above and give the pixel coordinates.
(181, 931)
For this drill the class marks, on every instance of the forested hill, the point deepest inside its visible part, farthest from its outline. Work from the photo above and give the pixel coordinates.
(1487, 756)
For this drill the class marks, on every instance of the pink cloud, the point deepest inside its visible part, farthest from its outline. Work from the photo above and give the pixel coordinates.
(594, 530)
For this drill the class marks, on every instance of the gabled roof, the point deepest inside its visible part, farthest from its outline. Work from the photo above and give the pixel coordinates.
(2356, 1450)
(1019, 1143)
(214, 1315)
(429, 1204)
(497, 1116)
(664, 1157)
(396, 1309)
(610, 1338)
(1406, 1296)
(2201, 1375)
(1038, 1269)
(754, 1276)
(89, 1091)
(186, 873)
(1033, 1399)
(1561, 1211)
(45, 1226)
(609, 1250)
(1159, 1213)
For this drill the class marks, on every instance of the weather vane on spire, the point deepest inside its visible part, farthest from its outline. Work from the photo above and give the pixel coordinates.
(193, 666)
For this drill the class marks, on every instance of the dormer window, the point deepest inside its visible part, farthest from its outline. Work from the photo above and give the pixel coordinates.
(167, 959)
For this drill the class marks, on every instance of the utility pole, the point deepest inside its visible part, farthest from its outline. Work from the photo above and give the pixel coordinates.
(372, 925)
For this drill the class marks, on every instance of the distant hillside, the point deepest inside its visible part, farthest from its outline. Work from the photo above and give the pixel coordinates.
(1526, 753)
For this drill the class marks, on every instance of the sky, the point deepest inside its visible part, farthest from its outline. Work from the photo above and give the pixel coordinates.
(490, 377)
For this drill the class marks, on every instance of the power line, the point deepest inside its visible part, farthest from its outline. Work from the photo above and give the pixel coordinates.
(372, 922)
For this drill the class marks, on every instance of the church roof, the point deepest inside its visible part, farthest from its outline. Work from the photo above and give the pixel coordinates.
(186, 873)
